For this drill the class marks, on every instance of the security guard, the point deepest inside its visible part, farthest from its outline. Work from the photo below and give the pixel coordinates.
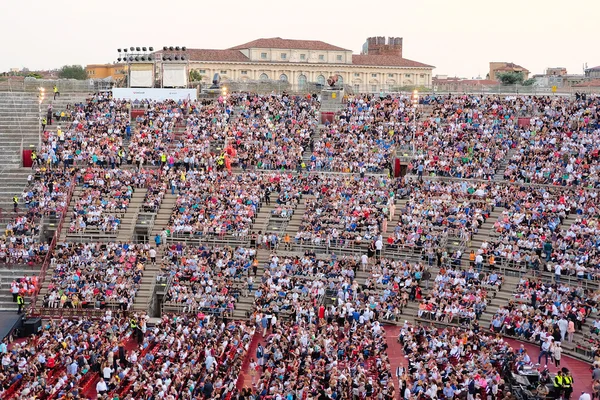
(133, 324)
(20, 303)
(558, 384)
(15, 202)
(567, 384)
(44, 123)
(56, 92)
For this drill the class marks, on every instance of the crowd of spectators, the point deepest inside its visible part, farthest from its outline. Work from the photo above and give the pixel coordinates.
(207, 280)
(363, 136)
(95, 275)
(216, 203)
(335, 357)
(435, 209)
(345, 209)
(538, 308)
(180, 357)
(459, 296)
(559, 147)
(452, 363)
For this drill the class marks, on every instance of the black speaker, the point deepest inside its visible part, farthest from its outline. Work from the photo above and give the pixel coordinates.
(31, 326)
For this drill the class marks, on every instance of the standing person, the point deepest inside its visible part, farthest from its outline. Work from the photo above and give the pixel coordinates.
(558, 384)
(20, 303)
(49, 115)
(557, 354)
(545, 351)
(259, 355)
(479, 262)
(567, 384)
(596, 389)
(571, 330)
(15, 203)
(378, 248)
(56, 92)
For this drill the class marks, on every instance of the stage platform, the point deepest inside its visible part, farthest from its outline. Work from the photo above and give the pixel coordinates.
(8, 321)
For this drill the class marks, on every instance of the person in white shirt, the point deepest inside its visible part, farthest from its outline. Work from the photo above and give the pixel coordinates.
(585, 396)
(101, 387)
(107, 372)
(364, 260)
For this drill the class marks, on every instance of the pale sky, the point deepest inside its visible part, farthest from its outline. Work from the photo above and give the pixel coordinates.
(459, 37)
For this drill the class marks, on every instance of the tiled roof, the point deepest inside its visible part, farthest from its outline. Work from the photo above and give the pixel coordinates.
(386, 61)
(592, 83)
(279, 43)
(211, 55)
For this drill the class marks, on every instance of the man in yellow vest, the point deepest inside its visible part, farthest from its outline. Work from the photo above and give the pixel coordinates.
(20, 303)
(567, 384)
(558, 385)
(56, 92)
(15, 202)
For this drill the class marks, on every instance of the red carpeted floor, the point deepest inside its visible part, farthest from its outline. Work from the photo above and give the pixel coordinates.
(245, 379)
(395, 352)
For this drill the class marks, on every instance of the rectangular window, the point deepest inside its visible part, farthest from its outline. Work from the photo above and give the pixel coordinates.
(263, 55)
(223, 72)
(373, 75)
(303, 56)
(356, 74)
(373, 88)
(321, 57)
(407, 75)
(339, 58)
(422, 75)
(202, 71)
(244, 72)
(283, 56)
(390, 75)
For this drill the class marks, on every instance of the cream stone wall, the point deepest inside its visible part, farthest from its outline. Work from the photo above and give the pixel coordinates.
(368, 78)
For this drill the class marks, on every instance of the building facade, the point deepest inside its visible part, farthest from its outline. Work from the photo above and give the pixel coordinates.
(380, 67)
(498, 68)
(103, 71)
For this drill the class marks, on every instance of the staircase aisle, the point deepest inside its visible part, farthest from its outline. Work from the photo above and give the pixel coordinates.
(391, 225)
(164, 213)
(294, 223)
(12, 183)
(484, 234)
(146, 290)
(244, 307)
(499, 175)
(130, 218)
(261, 221)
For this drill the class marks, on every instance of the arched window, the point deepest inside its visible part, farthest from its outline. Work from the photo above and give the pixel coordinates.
(302, 80)
(321, 80)
(340, 81)
(264, 77)
(283, 78)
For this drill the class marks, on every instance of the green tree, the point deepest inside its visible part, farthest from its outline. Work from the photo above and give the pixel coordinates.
(34, 75)
(529, 82)
(72, 72)
(195, 75)
(510, 78)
